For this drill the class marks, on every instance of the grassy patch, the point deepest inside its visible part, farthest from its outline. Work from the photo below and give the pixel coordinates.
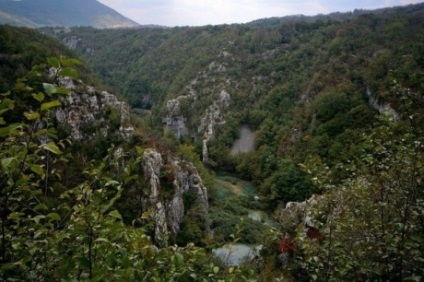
(228, 184)
(231, 200)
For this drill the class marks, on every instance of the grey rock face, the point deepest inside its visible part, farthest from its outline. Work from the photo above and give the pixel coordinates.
(175, 120)
(84, 110)
(72, 42)
(176, 125)
(296, 213)
(209, 99)
(152, 166)
(383, 108)
(212, 117)
(168, 211)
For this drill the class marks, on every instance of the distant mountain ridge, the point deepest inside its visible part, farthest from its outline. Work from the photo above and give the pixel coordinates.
(38, 13)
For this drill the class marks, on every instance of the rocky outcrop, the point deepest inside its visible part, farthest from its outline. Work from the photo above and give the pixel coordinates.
(218, 68)
(213, 116)
(176, 177)
(383, 108)
(270, 54)
(72, 42)
(85, 111)
(295, 213)
(207, 97)
(175, 120)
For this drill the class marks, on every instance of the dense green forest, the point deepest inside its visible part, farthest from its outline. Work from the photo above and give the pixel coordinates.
(69, 208)
(303, 84)
(335, 107)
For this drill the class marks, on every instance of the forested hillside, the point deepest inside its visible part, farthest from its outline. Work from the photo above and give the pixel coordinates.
(323, 115)
(87, 193)
(306, 86)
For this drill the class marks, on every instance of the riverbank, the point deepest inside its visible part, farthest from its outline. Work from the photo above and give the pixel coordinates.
(237, 214)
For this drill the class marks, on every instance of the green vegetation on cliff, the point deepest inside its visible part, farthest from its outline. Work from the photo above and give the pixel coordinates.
(336, 106)
(306, 86)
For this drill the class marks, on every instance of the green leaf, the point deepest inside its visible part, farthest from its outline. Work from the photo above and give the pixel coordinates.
(2, 122)
(49, 88)
(112, 200)
(115, 214)
(32, 116)
(7, 162)
(38, 218)
(37, 169)
(52, 147)
(69, 62)
(40, 132)
(39, 96)
(54, 62)
(54, 216)
(216, 269)
(178, 259)
(131, 178)
(16, 215)
(52, 133)
(49, 105)
(139, 150)
(8, 103)
(69, 72)
(40, 207)
(4, 131)
(111, 182)
(127, 170)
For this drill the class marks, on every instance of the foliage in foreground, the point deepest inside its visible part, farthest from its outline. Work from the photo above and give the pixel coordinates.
(373, 221)
(51, 232)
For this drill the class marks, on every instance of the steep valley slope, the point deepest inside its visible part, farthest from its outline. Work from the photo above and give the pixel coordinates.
(91, 190)
(304, 85)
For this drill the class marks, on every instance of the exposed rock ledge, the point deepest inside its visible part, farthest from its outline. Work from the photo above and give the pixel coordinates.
(84, 110)
(295, 213)
(175, 120)
(213, 116)
(383, 108)
(168, 210)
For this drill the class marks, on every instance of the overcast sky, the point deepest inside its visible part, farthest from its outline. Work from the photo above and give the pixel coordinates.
(204, 12)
